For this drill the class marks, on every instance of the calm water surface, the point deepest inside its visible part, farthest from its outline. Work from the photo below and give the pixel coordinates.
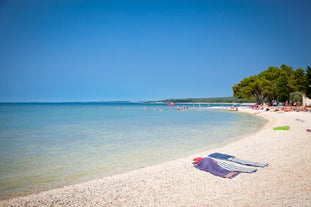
(43, 146)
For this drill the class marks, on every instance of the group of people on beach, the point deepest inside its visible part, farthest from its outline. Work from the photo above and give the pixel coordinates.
(284, 108)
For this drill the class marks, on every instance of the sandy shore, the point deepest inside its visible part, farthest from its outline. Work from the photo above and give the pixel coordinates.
(285, 182)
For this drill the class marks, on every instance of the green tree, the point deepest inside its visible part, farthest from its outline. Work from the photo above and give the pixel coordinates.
(287, 69)
(269, 80)
(308, 82)
(249, 88)
(297, 81)
(274, 84)
(282, 91)
(295, 96)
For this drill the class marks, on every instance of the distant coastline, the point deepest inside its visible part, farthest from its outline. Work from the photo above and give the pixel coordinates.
(215, 100)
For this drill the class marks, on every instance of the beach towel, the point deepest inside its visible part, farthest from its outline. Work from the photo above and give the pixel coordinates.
(231, 158)
(210, 165)
(231, 167)
(281, 128)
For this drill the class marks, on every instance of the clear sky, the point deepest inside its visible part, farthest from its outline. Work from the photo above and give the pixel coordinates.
(88, 50)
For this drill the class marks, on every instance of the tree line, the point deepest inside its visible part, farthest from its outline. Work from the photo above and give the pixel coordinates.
(275, 84)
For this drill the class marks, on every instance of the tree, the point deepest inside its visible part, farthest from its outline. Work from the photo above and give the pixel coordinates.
(269, 91)
(287, 69)
(297, 81)
(249, 88)
(308, 82)
(269, 80)
(274, 84)
(295, 97)
(282, 91)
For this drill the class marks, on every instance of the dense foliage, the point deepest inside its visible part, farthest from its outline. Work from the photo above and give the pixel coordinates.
(276, 84)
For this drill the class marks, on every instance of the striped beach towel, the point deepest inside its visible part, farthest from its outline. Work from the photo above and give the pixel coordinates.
(231, 158)
(231, 167)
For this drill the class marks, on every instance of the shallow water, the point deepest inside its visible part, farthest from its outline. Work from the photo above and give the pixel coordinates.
(43, 146)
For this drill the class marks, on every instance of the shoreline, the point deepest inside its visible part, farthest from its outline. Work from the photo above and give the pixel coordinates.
(284, 182)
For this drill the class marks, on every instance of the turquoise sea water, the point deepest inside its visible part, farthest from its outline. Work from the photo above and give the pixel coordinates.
(43, 146)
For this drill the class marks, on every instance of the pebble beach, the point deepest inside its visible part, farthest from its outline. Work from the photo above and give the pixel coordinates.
(284, 182)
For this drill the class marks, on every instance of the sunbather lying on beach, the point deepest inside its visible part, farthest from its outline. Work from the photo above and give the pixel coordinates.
(210, 165)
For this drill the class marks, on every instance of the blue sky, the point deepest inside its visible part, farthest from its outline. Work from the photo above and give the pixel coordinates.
(84, 50)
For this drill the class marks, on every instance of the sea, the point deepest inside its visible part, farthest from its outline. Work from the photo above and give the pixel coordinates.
(49, 145)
